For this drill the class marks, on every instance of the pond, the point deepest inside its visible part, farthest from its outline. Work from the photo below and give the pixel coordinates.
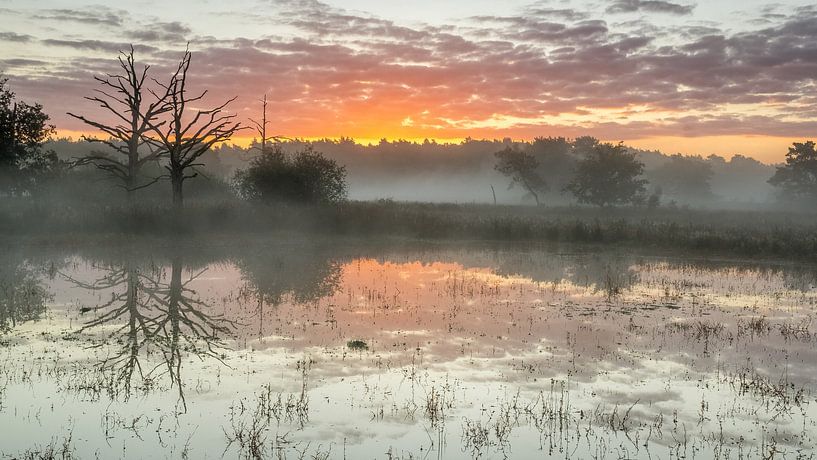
(296, 348)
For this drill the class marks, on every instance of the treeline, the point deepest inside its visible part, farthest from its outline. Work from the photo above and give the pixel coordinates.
(465, 172)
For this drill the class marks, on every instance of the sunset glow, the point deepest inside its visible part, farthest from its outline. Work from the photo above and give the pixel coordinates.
(731, 78)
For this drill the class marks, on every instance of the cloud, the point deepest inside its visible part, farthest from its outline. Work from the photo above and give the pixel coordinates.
(15, 37)
(97, 16)
(97, 45)
(161, 32)
(649, 6)
(340, 73)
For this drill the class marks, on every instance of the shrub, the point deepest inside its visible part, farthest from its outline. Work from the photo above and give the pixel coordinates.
(305, 177)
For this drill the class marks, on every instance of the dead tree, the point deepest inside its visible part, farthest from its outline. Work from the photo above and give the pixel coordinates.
(122, 95)
(186, 136)
(261, 128)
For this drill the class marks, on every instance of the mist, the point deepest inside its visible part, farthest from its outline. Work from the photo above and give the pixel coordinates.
(465, 172)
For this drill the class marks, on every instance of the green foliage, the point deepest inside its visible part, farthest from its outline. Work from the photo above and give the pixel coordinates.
(798, 177)
(305, 177)
(521, 167)
(609, 175)
(23, 129)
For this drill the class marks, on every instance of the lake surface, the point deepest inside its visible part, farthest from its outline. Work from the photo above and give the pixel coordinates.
(271, 348)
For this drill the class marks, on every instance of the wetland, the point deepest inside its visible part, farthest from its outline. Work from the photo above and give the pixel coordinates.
(264, 347)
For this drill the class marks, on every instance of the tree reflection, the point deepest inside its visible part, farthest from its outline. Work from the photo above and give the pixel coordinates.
(22, 295)
(153, 314)
(275, 274)
(611, 274)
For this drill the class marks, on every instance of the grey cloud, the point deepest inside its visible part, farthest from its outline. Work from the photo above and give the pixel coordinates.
(15, 37)
(97, 45)
(649, 6)
(161, 32)
(98, 16)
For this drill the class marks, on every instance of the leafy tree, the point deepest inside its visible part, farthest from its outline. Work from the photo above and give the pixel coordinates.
(583, 145)
(798, 177)
(306, 177)
(557, 160)
(609, 175)
(521, 167)
(23, 129)
(684, 178)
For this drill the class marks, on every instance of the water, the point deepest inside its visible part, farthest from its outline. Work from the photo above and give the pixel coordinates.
(278, 348)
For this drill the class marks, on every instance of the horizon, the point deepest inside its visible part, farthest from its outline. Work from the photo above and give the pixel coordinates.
(248, 142)
(673, 76)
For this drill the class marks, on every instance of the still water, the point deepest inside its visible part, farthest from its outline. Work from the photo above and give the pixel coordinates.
(271, 348)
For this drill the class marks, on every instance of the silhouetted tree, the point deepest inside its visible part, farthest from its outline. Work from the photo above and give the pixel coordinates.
(123, 96)
(583, 145)
(798, 177)
(305, 177)
(261, 127)
(557, 160)
(23, 129)
(186, 136)
(608, 175)
(521, 167)
(684, 178)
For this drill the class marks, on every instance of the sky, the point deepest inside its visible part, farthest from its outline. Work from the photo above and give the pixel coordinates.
(719, 76)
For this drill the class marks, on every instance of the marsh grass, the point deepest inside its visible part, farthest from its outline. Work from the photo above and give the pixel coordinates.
(746, 233)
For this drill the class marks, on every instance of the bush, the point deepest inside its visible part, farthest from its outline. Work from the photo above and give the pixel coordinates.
(305, 177)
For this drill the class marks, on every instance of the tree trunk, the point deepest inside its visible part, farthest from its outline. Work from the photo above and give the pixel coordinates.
(178, 196)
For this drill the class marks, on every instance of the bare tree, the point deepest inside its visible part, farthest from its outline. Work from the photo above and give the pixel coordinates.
(122, 95)
(261, 127)
(186, 137)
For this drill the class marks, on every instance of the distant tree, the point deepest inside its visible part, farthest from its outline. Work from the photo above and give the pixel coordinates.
(305, 177)
(521, 167)
(684, 178)
(23, 129)
(609, 175)
(798, 177)
(186, 136)
(584, 145)
(556, 158)
(123, 96)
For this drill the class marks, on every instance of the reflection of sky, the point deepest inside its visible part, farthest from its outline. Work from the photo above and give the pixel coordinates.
(447, 322)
